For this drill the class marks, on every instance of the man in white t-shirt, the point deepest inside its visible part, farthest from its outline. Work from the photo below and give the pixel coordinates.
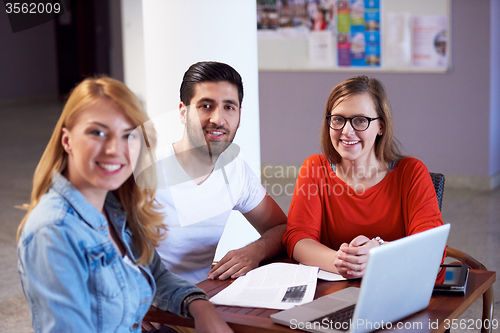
(206, 178)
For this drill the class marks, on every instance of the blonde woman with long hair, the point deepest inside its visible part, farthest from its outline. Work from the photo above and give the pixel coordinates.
(86, 246)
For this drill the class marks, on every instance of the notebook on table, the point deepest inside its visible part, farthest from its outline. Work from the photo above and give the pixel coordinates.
(398, 281)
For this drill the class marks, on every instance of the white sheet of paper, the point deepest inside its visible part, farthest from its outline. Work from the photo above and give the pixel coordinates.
(329, 276)
(274, 286)
(397, 50)
(321, 49)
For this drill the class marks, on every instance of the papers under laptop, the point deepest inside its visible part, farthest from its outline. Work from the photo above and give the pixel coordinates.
(398, 282)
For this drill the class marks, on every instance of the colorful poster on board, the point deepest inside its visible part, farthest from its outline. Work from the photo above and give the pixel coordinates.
(343, 33)
(267, 15)
(304, 15)
(358, 33)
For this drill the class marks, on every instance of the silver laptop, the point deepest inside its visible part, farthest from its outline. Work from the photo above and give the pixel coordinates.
(398, 282)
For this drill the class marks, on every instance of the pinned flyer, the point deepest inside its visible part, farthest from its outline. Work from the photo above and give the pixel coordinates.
(430, 39)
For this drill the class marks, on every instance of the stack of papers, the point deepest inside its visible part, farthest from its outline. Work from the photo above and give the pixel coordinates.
(274, 286)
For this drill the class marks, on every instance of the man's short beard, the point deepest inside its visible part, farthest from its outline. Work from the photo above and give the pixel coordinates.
(215, 148)
(204, 147)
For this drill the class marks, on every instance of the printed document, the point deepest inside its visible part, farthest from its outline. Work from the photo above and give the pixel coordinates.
(274, 286)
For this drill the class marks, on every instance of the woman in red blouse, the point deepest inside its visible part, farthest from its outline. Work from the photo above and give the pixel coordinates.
(361, 192)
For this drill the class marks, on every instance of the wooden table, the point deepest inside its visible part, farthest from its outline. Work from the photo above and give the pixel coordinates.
(437, 317)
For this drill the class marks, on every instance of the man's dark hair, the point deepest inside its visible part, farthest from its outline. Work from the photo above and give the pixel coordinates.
(209, 71)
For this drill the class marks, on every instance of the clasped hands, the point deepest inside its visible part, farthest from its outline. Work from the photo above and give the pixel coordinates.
(351, 259)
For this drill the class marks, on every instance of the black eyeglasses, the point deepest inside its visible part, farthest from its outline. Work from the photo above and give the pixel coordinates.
(359, 123)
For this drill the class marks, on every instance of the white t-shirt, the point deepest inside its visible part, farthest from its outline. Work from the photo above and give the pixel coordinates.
(196, 215)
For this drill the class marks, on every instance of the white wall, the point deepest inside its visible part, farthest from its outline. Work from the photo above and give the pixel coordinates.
(176, 34)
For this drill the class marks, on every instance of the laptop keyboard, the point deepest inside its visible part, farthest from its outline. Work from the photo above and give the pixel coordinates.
(342, 317)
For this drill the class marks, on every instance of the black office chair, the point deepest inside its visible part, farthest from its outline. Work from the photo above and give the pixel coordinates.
(464, 258)
(438, 181)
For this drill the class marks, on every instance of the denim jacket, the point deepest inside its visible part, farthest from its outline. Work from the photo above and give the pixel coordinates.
(74, 278)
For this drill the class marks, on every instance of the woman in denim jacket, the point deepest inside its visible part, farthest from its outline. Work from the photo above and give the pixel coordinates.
(86, 246)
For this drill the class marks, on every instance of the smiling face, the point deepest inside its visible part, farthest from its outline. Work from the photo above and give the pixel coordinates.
(213, 117)
(101, 150)
(355, 145)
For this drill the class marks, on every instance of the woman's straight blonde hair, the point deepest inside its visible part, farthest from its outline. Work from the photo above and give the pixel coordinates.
(143, 217)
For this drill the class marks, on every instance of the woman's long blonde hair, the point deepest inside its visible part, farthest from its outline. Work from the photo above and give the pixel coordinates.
(143, 217)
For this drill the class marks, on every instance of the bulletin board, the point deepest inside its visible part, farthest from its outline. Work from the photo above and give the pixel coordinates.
(396, 35)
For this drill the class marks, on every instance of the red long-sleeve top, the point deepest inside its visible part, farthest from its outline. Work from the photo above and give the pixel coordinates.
(327, 210)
